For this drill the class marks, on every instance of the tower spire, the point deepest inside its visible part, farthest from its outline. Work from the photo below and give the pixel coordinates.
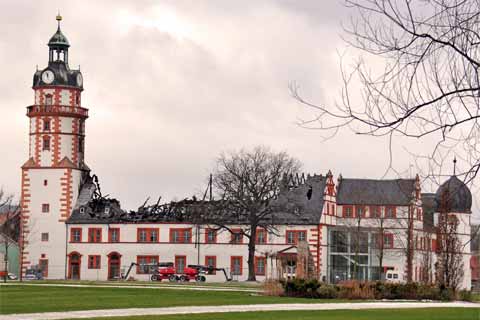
(454, 165)
(58, 18)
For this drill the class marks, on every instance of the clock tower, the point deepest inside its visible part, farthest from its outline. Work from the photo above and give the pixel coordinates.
(53, 174)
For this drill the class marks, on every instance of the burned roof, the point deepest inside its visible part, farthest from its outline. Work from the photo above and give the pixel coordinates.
(299, 202)
(375, 192)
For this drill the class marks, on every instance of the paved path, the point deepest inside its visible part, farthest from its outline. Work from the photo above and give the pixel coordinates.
(166, 286)
(238, 308)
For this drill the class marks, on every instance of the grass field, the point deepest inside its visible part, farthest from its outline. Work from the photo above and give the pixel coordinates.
(27, 299)
(243, 285)
(391, 314)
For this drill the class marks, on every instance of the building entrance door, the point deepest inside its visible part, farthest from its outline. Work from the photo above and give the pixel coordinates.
(74, 262)
(114, 266)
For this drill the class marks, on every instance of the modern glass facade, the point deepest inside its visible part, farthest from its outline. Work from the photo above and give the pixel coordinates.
(351, 256)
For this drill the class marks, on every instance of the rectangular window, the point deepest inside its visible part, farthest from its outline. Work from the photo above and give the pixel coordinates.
(94, 262)
(45, 208)
(181, 235)
(290, 237)
(375, 212)
(48, 99)
(388, 241)
(146, 264)
(301, 236)
(390, 212)
(94, 234)
(359, 211)
(261, 236)
(260, 265)
(236, 236)
(114, 235)
(45, 236)
(46, 125)
(76, 235)
(236, 265)
(210, 236)
(147, 235)
(46, 144)
(348, 211)
(180, 263)
(211, 261)
(294, 236)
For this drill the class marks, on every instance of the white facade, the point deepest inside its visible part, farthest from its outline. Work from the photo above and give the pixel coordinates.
(55, 172)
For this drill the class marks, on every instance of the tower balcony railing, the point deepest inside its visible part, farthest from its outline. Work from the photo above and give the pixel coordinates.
(57, 110)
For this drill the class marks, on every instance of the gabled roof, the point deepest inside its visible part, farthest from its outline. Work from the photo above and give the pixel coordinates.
(375, 192)
(298, 207)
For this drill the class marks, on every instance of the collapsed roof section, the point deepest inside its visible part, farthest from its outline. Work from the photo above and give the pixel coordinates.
(300, 201)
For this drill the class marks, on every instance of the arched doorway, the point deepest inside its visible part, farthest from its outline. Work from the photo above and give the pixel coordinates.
(114, 265)
(74, 263)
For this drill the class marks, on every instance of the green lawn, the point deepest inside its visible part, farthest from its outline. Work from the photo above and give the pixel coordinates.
(234, 284)
(390, 314)
(27, 299)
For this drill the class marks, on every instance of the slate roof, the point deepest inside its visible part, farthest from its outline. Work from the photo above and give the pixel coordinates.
(459, 196)
(298, 209)
(375, 192)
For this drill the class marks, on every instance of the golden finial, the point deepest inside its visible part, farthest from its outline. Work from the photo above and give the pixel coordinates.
(59, 18)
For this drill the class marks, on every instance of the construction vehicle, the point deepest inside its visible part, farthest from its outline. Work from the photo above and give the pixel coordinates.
(166, 271)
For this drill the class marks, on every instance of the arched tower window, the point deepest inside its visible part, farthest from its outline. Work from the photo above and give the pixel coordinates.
(48, 99)
(46, 143)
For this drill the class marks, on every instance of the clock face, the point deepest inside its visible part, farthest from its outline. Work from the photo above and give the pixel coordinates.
(79, 79)
(48, 76)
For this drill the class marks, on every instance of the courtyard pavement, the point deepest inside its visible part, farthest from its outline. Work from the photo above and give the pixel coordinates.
(237, 308)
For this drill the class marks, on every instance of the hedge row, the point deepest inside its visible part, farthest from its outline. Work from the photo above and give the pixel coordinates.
(370, 290)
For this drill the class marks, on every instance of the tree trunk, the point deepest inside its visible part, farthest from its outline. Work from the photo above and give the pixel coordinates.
(6, 260)
(410, 246)
(251, 255)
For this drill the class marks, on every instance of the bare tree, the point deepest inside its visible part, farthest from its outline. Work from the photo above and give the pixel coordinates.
(449, 247)
(418, 74)
(426, 275)
(9, 229)
(248, 182)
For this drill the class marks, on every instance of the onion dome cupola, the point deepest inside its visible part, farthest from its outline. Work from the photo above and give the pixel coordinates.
(58, 71)
(453, 196)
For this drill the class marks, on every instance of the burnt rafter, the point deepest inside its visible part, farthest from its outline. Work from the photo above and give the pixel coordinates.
(298, 200)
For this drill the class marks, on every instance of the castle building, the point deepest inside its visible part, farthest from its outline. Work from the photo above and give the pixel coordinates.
(344, 228)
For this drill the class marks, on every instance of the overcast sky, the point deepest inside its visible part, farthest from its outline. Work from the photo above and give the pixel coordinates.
(171, 84)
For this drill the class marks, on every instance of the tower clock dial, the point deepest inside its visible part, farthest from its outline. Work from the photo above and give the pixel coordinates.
(48, 76)
(79, 79)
